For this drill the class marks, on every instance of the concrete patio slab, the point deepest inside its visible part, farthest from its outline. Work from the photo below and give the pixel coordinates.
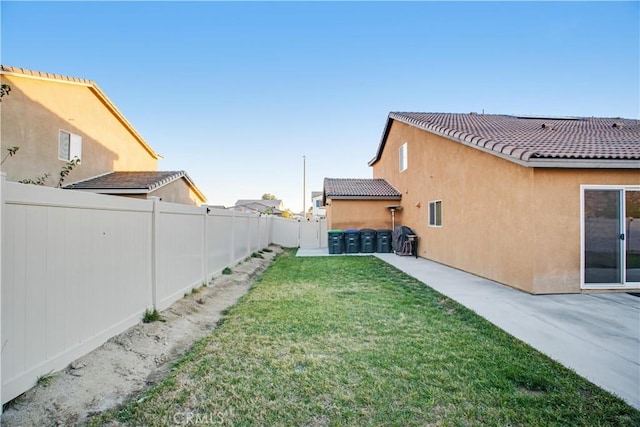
(595, 335)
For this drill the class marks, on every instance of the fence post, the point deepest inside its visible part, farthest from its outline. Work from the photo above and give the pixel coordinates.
(258, 232)
(3, 177)
(155, 252)
(233, 238)
(248, 236)
(205, 249)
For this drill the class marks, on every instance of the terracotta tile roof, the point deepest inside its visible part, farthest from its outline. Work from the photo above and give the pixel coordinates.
(531, 139)
(143, 181)
(354, 188)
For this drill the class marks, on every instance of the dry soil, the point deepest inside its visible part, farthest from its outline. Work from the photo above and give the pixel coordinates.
(129, 363)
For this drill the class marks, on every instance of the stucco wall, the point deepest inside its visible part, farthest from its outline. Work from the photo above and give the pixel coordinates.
(34, 112)
(516, 225)
(358, 214)
(557, 223)
(486, 225)
(177, 191)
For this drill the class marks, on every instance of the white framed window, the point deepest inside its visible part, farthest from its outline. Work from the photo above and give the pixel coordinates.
(435, 213)
(69, 146)
(404, 163)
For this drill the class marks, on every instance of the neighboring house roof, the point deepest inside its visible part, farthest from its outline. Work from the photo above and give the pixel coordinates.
(270, 203)
(259, 206)
(133, 182)
(355, 188)
(534, 141)
(22, 72)
(315, 194)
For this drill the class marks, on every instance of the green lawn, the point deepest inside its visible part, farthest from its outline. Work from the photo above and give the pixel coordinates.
(353, 341)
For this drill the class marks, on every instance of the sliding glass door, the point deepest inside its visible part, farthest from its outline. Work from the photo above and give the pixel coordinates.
(632, 233)
(611, 236)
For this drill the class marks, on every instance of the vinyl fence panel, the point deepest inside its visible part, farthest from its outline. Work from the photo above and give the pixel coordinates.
(241, 237)
(265, 231)
(219, 240)
(75, 272)
(180, 252)
(285, 232)
(310, 233)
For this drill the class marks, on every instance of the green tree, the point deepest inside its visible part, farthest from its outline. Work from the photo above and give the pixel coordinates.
(269, 196)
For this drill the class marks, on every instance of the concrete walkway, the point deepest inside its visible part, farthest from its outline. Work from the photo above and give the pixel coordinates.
(596, 335)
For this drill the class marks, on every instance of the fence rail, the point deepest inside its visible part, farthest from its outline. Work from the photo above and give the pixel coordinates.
(78, 268)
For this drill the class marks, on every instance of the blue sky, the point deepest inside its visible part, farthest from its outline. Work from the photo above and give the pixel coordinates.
(236, 93)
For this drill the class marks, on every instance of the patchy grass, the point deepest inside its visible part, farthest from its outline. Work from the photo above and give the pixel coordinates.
(150, 316)
(45, 380)
(227, 270)
(353, 341)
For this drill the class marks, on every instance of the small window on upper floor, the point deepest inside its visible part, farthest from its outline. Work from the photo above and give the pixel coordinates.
(69, 146)
(435, 213)
(403, 157)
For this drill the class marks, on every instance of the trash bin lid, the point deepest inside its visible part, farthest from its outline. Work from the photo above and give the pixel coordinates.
(351, 231)
(367, 230)
(335, 231)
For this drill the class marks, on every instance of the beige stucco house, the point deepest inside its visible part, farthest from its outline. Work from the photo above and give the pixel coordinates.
(317, 205)
(54, 119)
(169, 186)
(357, 203)
(545, 205)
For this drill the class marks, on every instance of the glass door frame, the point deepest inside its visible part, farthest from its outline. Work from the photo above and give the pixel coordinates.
(623, 259)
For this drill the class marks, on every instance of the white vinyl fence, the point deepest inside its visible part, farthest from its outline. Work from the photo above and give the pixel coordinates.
(78, 268)
(300, 233)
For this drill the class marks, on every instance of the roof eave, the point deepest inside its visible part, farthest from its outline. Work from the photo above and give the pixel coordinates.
(112, 190)
(364, 197)
(114, 110)
(383, 140)
(583, 163)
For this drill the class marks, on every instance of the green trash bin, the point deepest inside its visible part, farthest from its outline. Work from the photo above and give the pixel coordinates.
(383, 241)
(351, 241)
(367, 240)
(336, 241)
